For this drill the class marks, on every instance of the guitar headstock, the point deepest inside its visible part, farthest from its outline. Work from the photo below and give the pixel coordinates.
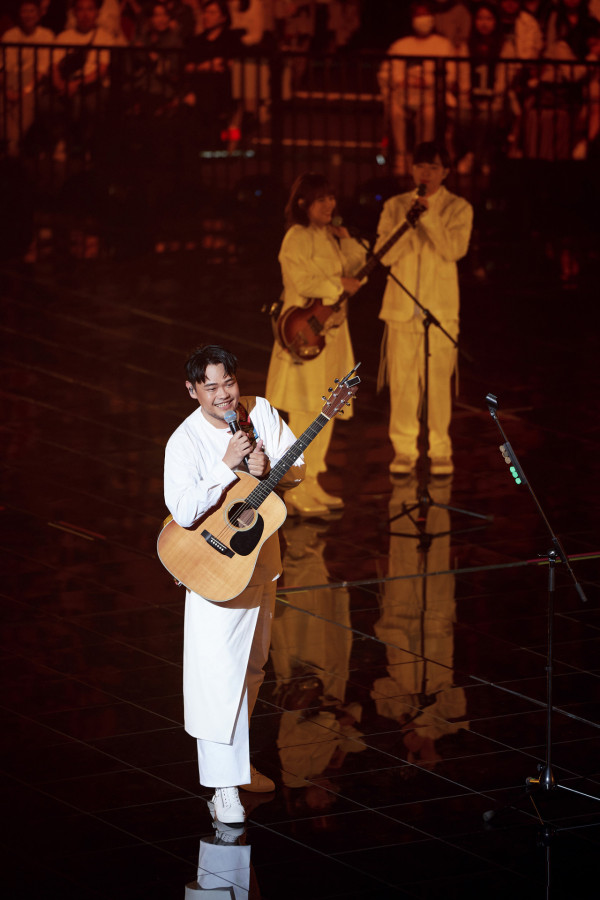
(343, 392)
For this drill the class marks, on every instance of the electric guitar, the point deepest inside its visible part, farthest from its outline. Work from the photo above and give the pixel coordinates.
(302, 329)
(216, 556)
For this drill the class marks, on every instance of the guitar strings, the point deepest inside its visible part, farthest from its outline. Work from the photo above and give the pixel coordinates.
(262, 489)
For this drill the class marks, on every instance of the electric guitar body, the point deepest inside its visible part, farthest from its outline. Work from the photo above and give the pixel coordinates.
(302, 329)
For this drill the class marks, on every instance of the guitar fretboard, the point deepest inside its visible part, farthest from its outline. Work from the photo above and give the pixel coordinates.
(262, 490)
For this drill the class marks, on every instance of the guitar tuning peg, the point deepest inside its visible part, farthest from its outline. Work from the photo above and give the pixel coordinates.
(323, 397)
(341, 412)
(337, 380)
(330, 389)
(348, 403)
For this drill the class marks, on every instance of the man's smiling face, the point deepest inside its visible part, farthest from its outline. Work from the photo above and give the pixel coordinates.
(217, 394)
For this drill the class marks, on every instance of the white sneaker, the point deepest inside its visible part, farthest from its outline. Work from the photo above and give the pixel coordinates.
(225, 806)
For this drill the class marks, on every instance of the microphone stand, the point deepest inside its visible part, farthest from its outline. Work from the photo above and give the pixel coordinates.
(545, 780)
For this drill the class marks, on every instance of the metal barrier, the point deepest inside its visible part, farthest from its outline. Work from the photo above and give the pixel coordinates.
(356, 117)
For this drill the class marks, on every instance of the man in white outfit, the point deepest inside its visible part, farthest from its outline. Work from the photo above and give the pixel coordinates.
(424, 262)
(225, 644)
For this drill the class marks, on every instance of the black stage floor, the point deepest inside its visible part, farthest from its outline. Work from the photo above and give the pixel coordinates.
(405, 695)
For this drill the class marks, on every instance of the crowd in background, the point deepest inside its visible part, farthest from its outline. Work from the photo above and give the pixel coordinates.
(545, 110)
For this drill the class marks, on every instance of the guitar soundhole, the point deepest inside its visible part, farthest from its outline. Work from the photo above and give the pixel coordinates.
(241, 516)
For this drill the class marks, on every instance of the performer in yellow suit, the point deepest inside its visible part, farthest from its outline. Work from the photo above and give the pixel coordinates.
(424, 261)
(317, 260)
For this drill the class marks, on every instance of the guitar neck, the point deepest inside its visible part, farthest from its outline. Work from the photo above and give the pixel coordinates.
(262, 490)
(365, 271)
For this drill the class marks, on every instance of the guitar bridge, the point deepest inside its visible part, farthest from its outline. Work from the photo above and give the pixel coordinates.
(218, 545)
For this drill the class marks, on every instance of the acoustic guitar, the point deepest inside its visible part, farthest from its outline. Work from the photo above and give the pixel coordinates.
(216, 556)
(302, 329)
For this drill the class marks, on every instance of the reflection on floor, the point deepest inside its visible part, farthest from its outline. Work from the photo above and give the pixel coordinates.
(406, 691)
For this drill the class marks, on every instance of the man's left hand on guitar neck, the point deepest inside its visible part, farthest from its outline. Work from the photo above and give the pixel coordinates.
(259, 463)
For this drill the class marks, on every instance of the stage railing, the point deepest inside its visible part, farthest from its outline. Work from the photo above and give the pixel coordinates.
(355, 116)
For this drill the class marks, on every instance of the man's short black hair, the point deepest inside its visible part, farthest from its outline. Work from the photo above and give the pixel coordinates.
(209, 355)
(427, 152)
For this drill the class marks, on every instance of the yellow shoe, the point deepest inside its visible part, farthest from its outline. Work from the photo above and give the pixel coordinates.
(259, 783)
(301, 502)
(441, 465)
(402, 464)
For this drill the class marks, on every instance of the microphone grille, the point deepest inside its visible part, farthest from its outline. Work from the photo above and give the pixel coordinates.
(230, 416)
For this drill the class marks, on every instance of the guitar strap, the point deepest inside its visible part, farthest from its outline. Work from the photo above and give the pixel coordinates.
(245, 423)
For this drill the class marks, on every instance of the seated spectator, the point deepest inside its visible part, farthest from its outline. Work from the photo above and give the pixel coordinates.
(109, 19)
(182, 15)
(483, 112)
(24, 71)
(208, 66)
(409, 87)
(453, 21)
(80, 79)
(156, 73)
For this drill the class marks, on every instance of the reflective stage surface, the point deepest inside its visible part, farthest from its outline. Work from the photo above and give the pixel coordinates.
(405, 694)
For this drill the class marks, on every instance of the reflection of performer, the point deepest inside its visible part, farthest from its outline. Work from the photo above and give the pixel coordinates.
(417, 627)
(317, 260)
(311, 658)
(424, 261)
(225, 644)
(224, 867)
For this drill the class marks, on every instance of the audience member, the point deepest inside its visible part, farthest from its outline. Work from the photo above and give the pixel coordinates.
(183, 17)
(109, 19)
(554, 115)
(248, 18)
(483, 111)
(590, 146)
(409, 89)
(569, 22)
(209, 94)
(521, 29)
(156, 73)
(453, 21)
(540, 10)
(80, 79)
(25, 69)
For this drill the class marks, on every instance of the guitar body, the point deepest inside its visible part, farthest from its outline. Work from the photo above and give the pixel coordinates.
(302, 329)
(217, 555)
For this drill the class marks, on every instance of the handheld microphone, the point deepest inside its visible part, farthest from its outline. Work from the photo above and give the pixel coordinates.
(232, 420)
(421, 190)
(234, 426)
